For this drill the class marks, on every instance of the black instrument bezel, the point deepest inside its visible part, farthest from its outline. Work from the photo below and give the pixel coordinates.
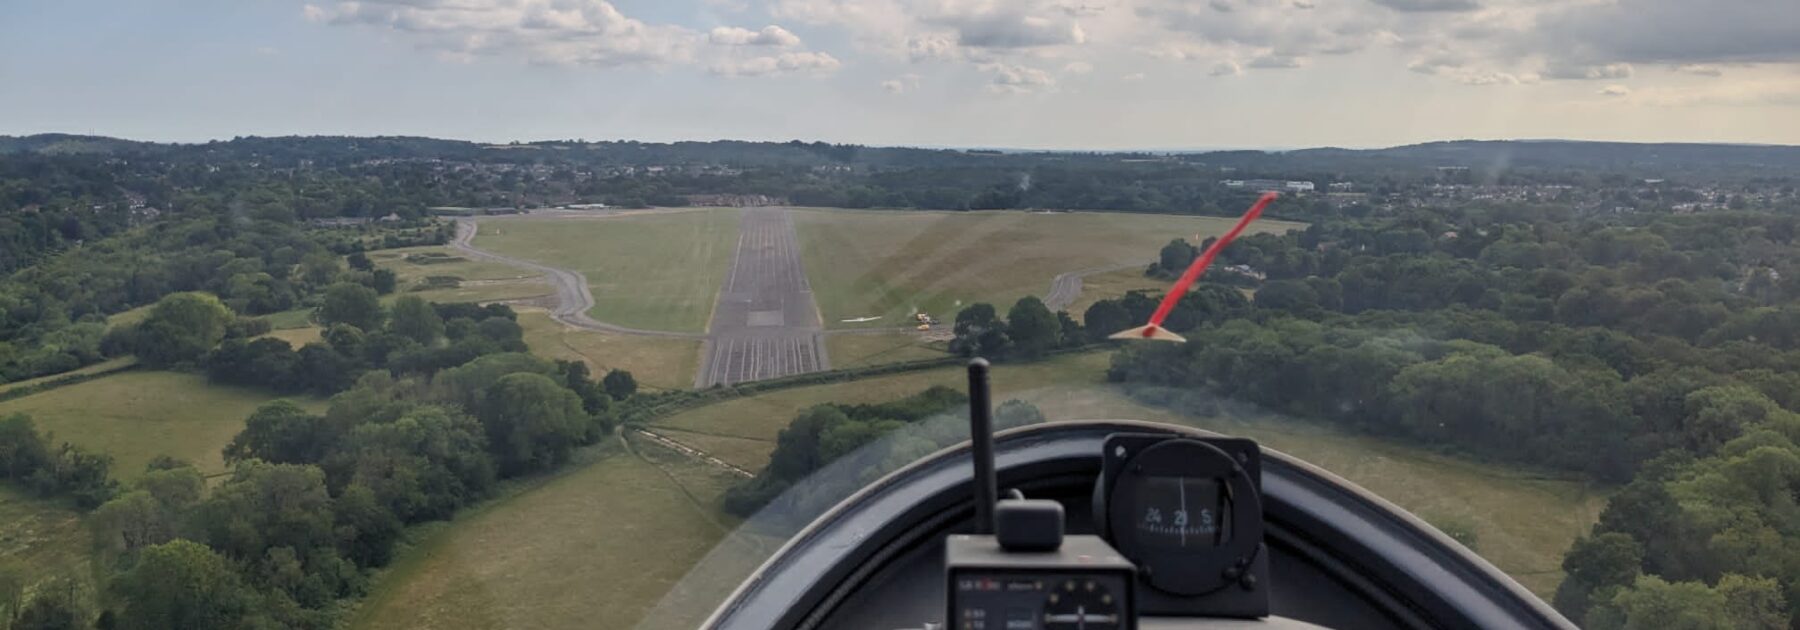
(1203, 570)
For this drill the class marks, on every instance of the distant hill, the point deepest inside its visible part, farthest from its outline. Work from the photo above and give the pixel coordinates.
(1567, 153)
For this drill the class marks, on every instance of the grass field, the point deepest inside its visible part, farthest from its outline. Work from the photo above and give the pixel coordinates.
(138, 415)
(45, 538)
(1523, 521)
(651, 271)
(596, 547)
(848, 351)
(656, 362)
(481, 280)
(889, 263)
(297, 337)
(1112, 284)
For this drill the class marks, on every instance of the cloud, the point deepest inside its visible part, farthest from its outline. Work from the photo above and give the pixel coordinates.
(1614, 90)
(1274, 61)
(1700, 69)
(769, 36)
(784, 63)
(1429, 5)
(1226, 68)
(1078, 67)
(1008, 25)
(571, 32)
(1676, 31)
(1135, 76)
(901, 84)
(1017, 79)
(1561, 69)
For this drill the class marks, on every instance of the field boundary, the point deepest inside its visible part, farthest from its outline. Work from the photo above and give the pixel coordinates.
(16, 393)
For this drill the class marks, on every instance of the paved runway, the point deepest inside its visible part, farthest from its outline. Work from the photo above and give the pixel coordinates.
(765, 324)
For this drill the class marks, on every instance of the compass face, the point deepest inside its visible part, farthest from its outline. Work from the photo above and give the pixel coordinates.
(1081, 604)
(1178, 513)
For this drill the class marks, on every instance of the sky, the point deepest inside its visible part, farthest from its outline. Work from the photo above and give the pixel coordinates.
(1048, 74)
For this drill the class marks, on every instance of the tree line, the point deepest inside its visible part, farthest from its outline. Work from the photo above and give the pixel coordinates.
(860, 442)
(1654, 350)
(434, 404)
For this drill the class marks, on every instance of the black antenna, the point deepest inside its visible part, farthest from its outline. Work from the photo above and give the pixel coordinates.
(981, 440)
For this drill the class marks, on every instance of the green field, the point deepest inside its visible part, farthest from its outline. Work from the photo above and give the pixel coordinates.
(44, 538)
(138, 415)
(1523, 522)
(848, 351)
(1110, 285)
(653, 271)
(479, 280)
(866, 263)
(656, 362)
(596, 547)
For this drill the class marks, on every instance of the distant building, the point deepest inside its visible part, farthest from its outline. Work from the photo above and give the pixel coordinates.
(1341, 186)
(1299, 186)
(1256, 184)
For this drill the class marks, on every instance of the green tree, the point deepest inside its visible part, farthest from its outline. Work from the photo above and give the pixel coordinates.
(1599, 564)
(980, 332)
(183, 584)
(181, 327)
(281, 432)
(1175, 257)
(54, 606)
(619, 384)
(532, 423)
(352, 304)
(414, 319)
(1032, 327)
(1104, 318)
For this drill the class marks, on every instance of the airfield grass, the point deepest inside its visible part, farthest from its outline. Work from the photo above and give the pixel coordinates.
(137, 415)
(656, 362)
(652, 271)
(858, 350)
(743, 452)
(1111, 285)
(480, 280)
(1523, 520)
(887, 264)
(597, 547)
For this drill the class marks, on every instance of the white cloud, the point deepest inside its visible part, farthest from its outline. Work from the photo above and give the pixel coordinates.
(1614, 90)
(1559, 69)
(575, 32)
(901, 84)
(784, 63)
(1078, 67)
(1226, 68)
(1429, 5)
(1700, 69)
(769, 36)
(1135, 76)
(1017, 79)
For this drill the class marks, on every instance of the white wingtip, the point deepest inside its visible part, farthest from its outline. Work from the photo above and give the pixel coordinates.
(1148, 331)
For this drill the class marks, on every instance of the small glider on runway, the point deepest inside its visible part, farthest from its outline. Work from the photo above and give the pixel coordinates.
(1154, 329)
